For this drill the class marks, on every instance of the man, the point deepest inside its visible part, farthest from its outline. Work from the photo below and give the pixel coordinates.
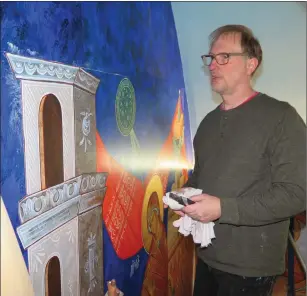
(250, 162)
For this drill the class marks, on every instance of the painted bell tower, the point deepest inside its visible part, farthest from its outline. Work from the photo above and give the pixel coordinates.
(61, 215)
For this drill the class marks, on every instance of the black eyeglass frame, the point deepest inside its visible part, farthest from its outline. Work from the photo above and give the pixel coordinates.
(226, 54)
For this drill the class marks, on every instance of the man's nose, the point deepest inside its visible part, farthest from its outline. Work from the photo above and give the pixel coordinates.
(213, 65)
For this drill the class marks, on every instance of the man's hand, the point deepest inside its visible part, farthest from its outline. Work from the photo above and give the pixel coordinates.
(181, 190)
(206, 209)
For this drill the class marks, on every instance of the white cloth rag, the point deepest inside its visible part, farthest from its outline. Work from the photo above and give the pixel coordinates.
(202, 232)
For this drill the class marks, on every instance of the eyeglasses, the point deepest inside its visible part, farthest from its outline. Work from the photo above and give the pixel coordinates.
(221, 58)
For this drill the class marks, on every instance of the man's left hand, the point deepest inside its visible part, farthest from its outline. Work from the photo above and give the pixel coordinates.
(207, 208)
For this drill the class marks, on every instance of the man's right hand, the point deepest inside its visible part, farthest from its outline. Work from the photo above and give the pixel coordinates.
(180, 190)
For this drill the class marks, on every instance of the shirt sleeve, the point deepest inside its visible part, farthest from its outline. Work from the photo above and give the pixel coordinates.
(287, 195)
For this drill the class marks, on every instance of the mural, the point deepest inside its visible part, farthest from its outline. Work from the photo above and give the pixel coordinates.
(94, 131)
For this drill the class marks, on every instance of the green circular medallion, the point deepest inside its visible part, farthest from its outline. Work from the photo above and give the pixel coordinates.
(125, 106)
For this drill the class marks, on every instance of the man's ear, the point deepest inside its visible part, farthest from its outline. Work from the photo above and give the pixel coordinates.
(252, 64)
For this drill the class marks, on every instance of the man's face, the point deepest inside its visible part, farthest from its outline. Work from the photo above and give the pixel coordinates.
(226, 79)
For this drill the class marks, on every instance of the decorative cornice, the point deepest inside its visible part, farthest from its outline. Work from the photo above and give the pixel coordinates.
(91, 200)
(86, 81)
(36, 69)
(92, 182)
(35, 204)
(37, 228)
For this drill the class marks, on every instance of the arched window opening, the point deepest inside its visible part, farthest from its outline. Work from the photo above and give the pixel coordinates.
(53, 277)
(51, 142)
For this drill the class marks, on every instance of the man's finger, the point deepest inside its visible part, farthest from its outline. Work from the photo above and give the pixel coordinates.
(199, 197)
(190, 208)
(180, 213)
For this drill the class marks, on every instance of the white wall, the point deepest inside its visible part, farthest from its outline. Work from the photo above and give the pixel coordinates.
(281, 30)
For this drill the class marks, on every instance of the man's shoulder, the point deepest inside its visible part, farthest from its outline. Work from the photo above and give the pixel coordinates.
(271, 111)
(268, 103)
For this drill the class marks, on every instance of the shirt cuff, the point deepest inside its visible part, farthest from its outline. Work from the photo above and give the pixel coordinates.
(229, 211)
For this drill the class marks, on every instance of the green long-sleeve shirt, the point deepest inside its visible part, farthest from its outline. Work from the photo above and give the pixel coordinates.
(253, 158)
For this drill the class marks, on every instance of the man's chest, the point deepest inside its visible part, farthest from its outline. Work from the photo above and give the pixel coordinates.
(230, 146)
